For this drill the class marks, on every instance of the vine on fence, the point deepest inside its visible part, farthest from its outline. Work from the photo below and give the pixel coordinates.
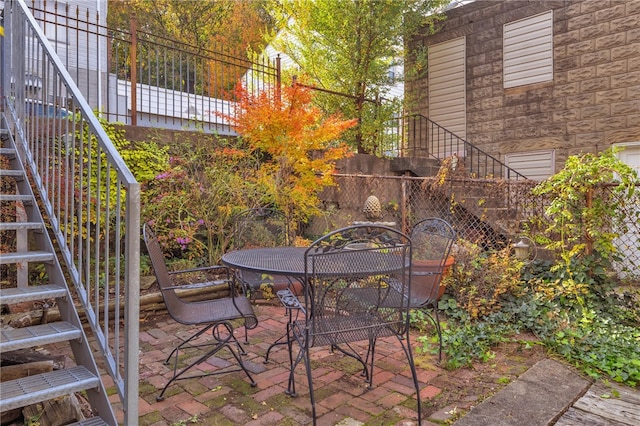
(581, 222)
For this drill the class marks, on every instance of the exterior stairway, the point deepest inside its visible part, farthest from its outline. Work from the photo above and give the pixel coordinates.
(29, 245)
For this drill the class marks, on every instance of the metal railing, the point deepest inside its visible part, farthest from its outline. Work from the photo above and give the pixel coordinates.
(144, 79)
(89, 196)
(418, 136)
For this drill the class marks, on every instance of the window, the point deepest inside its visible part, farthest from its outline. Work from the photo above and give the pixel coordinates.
(528, 50)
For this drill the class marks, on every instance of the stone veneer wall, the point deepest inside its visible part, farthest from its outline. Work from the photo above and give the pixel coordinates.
(594, 99)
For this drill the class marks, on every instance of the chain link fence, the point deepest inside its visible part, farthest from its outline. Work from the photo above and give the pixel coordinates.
(491, 213)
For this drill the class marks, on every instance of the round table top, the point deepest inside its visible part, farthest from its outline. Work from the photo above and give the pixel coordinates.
(271, 260)
(290, 261)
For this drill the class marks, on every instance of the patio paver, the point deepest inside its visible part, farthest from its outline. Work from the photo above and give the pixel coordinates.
(341, 395)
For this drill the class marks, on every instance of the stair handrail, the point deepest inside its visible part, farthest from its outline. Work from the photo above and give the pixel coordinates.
(85, 246)
(474, 157)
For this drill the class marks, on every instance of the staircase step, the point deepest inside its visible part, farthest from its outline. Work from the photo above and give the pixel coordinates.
(41, 387)
(8, 152)
(37, 335)
(14, 226)
(11, 173)
(28, 294)
(29, 256)
(15, 197)
(93, 421)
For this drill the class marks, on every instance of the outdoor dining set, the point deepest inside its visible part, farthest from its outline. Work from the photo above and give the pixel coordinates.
(353, 284)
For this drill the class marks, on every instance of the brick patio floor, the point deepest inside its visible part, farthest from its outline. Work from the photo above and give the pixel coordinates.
(341, 394)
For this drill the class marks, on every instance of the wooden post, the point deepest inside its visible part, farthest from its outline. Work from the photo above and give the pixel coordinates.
(587, 236)
(404, 225)
(278, 80)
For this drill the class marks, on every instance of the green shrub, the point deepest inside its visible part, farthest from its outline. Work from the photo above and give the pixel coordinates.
(479, 278)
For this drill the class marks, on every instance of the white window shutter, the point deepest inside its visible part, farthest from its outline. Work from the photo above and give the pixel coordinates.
(447, 86)
(528, 50)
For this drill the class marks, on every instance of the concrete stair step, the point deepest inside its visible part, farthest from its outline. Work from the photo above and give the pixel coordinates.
(536, 398)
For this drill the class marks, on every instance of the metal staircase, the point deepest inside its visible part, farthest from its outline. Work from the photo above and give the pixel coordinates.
(81, 377)
(69, 234)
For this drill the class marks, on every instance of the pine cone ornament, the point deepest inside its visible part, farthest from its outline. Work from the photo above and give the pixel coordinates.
(372, 208)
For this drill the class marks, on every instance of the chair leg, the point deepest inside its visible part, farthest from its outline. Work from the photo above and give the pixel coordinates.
(185, 344)
(307, 364)
(436, 322)
(282, 340)
(221, 341)
(291, 385)
(414, 373)
(439, 329)
(352, 353)
(371, 351)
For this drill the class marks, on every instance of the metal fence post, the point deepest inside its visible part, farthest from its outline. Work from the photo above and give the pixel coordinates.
(134, 70)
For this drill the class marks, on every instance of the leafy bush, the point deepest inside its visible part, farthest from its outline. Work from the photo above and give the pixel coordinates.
(582, 221)
(480, 278)
(192, 203)
(598, 333)
(572, 305)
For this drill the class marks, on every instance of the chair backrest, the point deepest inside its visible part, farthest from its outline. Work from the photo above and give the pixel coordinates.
(256, 228)
(261, 227)
(355, 279)
(171, 299)
(431, 240)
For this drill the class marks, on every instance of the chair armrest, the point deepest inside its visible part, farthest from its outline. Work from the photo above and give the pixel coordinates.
(202, 282)
(201, 269)
(215, 283)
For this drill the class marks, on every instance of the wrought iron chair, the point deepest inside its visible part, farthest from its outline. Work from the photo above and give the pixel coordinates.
(213, 314)
(348, 298)
(261, 227)
(431, 239)
(266, 227)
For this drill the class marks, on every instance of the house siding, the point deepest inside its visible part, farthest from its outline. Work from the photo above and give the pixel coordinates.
(593, 100)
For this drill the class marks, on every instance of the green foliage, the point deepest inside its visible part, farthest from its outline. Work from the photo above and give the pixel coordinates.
(480, 278)
(192, 203)
(349, 47)
(465, 340)
(582, 220)
(598, 333)
(572, 306)
(144, 160)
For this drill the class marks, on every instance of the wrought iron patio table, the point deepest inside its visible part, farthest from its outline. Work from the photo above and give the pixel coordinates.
(290, 262)
(281, 261)
(287, 261)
